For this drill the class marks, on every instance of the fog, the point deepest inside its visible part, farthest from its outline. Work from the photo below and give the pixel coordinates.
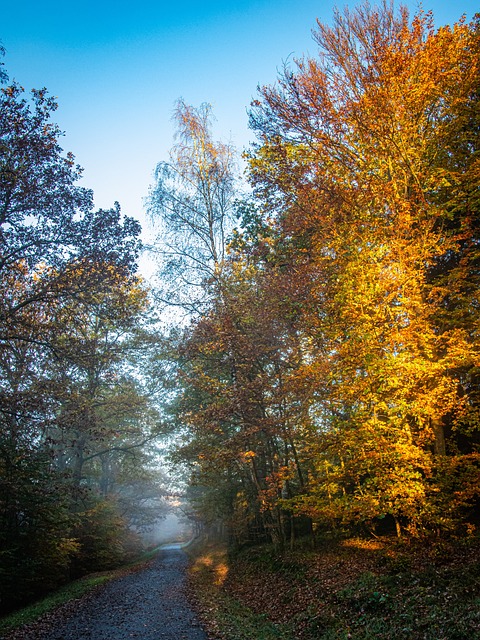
(174, 528)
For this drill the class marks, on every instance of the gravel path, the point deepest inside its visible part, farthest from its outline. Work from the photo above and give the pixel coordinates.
(149, 604)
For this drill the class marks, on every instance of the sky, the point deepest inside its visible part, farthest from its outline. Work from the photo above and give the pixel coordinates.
(117, 69)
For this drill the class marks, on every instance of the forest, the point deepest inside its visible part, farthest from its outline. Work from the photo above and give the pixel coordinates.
(310, 346)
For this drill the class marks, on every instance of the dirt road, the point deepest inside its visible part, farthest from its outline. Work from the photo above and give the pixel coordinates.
(149, 604)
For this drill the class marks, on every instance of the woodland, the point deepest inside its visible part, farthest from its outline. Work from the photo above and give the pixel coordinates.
(310, 346)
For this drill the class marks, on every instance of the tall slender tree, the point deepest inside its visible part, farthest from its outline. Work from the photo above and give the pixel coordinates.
(192, 202)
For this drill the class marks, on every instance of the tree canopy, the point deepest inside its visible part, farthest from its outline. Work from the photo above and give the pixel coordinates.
(334, 379)
(328, 375)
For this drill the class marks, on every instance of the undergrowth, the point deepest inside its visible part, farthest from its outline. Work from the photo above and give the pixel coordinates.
(345, 590)
(223, 615)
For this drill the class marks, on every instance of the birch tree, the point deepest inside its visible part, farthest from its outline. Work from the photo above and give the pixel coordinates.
(192, 206)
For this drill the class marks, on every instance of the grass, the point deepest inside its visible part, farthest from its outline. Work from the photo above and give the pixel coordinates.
(345, 590)
(435, 603)
(69, 592)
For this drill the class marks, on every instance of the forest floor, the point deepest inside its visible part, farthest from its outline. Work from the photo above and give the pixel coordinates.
(344, 590)
(148, 603)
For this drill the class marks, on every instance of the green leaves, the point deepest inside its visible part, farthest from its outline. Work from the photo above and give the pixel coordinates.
(71, 409)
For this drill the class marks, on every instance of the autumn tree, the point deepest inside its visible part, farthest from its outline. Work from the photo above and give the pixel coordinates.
(332, 373)
(359, 163)
(243, 410)
(192, 206)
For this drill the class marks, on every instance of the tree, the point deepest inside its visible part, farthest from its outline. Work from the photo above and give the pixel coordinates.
(68, 296)
(3, 73)
(243, 410)
(48, 230)
(192, 201)
(359, 163)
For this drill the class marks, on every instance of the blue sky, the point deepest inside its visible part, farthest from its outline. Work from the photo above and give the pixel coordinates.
(117, 68)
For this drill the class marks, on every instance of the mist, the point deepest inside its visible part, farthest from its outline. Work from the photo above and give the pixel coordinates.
(175, 527)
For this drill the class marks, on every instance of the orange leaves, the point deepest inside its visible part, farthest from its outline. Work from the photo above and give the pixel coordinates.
(338, 364)
(363, 151)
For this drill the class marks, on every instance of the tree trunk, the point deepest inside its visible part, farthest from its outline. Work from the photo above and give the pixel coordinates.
(439, 447)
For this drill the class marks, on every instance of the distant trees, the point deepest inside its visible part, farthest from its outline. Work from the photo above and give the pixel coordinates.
(71, 411)
(334, 378)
